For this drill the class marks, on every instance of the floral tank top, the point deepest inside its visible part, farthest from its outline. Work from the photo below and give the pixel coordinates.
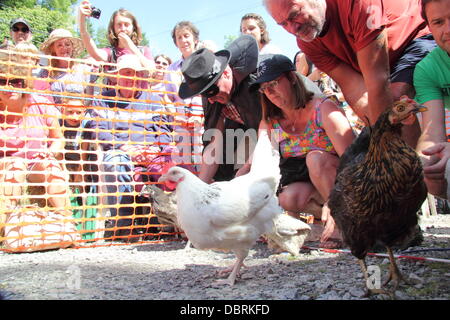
(313, 138)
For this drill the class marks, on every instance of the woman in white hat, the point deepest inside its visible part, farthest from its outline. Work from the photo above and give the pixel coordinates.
(68, 76)
(131, 134)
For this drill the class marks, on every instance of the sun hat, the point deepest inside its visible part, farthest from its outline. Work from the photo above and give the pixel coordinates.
(58, 34)
(19, 20)
(129, 61)
(201, 70)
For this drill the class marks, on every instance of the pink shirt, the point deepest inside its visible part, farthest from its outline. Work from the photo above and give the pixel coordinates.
(29, 135)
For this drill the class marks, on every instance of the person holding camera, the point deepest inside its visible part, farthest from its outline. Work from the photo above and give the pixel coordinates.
(124, 35)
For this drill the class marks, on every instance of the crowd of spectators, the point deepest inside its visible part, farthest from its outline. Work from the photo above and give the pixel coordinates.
(114, 117)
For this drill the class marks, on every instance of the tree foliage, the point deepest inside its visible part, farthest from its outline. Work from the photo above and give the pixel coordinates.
(64, 6)
(228, 39)
(101, 38)
(42, 21)
(17, 4)
(46, 15)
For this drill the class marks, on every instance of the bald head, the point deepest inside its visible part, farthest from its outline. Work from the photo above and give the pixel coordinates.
(303, 18)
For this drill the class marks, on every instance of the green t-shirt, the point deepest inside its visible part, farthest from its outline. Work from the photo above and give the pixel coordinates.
(432, 78)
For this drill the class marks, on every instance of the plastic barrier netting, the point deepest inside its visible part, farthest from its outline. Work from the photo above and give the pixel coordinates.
(77, 149)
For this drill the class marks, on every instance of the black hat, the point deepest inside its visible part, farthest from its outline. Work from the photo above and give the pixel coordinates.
(271, 66)
(19, 20)
(201, 70)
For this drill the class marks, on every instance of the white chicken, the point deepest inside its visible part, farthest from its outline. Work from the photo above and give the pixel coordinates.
(230, 215)
(289, 234)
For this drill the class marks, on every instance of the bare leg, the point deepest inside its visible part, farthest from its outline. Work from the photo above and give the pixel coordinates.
(13, 179)
(56, 187)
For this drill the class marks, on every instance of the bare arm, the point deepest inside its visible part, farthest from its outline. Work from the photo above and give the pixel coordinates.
(433, 147)
(302, 64)
(336, 126)
(126, 42)
(213, 153)
(373, 61)
(433, 126)
(368, 92)
(353, 88)
(84, 11)
(58, 140)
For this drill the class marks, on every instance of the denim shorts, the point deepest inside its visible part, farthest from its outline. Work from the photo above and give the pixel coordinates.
(403, 70)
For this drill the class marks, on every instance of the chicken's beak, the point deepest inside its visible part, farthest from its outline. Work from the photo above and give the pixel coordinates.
(420, 108)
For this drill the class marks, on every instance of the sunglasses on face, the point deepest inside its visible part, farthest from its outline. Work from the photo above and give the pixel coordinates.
(16, 83)
(23, 29)
(212, 91)
(161, 63)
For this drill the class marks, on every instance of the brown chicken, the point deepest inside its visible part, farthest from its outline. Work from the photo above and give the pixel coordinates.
(379, 189)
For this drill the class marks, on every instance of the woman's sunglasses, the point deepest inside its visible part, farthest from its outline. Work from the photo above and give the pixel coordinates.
(23, 29)
(16, 83)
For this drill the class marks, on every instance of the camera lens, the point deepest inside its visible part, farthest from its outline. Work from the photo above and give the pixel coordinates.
(96, 12)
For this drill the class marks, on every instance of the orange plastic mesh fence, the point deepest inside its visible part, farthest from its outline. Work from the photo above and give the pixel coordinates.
(59, 184)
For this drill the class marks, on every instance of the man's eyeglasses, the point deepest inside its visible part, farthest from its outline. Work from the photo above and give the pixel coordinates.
(16, 83)
(212, 91)
(291, 16)
(23, 29)
(268, 86)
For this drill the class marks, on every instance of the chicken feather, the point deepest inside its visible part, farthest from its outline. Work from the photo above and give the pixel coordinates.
(230, 215)
(379, 186)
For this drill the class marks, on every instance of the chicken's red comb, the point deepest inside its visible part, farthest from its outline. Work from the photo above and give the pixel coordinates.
(167, 167)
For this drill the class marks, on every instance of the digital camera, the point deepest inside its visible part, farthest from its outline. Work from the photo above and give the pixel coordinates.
(96, 12)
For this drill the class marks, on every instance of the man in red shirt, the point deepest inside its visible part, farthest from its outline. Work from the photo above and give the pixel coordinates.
(369, 47)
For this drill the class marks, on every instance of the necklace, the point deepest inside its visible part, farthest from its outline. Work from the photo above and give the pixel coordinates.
(293, 124)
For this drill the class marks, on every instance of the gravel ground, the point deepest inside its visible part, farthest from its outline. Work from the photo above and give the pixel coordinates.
(167, 272)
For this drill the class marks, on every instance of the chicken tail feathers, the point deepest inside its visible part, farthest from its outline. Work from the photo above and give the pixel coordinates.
(266, 157)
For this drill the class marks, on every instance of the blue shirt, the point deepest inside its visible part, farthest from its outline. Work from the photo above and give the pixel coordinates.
(119, 122)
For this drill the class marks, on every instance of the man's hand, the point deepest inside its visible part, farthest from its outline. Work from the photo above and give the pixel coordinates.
(434, 170)
(141, 154)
